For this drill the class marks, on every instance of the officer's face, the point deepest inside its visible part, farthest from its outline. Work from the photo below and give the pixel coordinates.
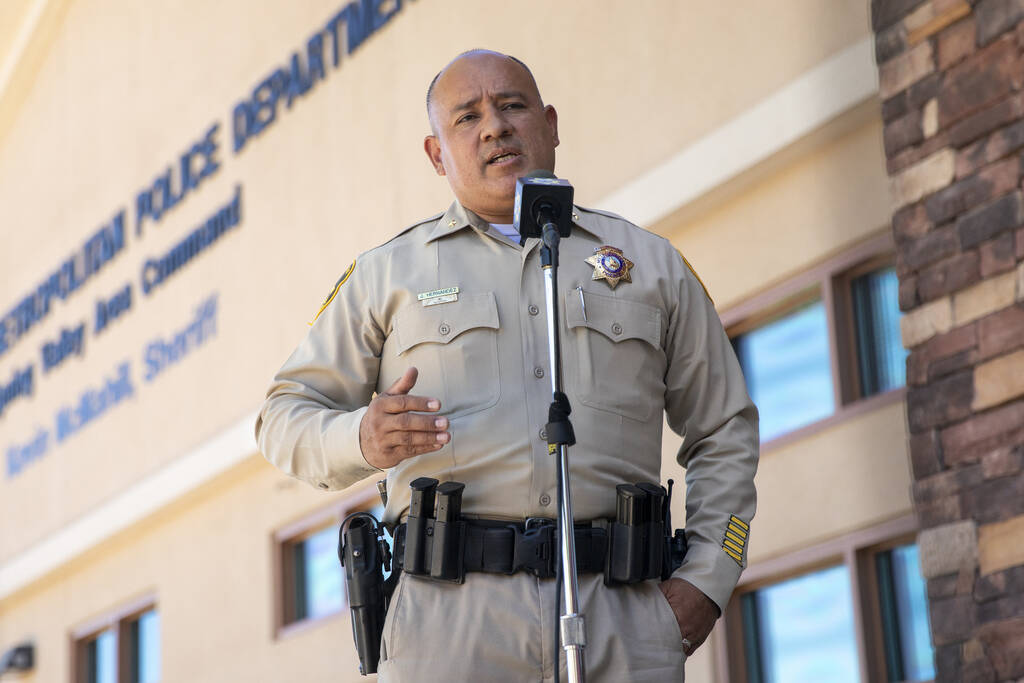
(490, 127)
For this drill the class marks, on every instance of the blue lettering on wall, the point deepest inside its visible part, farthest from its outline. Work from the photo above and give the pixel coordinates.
(110, 309)
(161, 354)
(94, 254)
(20, 455)
(156, 271)
(93, 403)
(70, 342)
(20, 385)
(305, 68)
(170, 187)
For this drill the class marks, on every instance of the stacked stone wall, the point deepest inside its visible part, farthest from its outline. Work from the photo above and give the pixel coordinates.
(951, 77)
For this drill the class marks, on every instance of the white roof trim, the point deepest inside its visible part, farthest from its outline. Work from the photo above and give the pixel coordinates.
(138, 501)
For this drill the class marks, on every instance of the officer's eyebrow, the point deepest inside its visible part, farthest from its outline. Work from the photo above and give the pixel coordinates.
(504, 95)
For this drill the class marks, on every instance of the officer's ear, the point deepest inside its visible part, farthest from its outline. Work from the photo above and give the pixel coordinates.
(433, 149)
(552, 118)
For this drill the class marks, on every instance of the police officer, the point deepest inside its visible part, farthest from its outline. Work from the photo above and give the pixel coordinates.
(429, 358)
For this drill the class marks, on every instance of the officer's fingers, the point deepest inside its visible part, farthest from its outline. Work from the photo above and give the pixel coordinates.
(404, 384)
(405, 438)
(415, 422)
(403, 403)
(400, 453)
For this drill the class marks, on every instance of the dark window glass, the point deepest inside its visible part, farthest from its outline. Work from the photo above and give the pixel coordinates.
(904, 605)
(101, 658)
(881, 358)
(802, 630)
(788, 370)
(319, 588)
(145, 648)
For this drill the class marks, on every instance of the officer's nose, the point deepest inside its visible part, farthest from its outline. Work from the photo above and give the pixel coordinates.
(495, 125)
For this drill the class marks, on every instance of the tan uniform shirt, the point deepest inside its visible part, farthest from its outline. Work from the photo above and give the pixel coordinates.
(651, 345)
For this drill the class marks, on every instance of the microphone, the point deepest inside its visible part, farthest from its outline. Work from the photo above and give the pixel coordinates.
(543, 205)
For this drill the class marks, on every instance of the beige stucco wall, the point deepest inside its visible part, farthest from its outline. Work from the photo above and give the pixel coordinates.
(121, 89)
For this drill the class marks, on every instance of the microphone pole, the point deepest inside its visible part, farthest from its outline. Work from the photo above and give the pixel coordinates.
(543, 208)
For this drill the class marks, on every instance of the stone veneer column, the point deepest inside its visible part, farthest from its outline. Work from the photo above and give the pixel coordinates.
(951, 74)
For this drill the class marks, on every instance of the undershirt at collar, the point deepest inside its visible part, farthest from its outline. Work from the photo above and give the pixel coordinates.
(507, 230)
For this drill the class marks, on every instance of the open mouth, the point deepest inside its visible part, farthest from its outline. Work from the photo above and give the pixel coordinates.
(503, 157)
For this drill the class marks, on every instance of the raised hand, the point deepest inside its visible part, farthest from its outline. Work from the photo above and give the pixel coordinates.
(392, 430)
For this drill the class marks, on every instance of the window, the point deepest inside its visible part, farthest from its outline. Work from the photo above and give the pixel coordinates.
(827, 612)
(122, 647)
(881, 358)
(813, 347)
(802, 630)
(786, 365)
(904, 609)
(311, 580)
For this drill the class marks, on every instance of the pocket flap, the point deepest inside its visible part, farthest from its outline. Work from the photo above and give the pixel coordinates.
(416, 323)
(616, 319)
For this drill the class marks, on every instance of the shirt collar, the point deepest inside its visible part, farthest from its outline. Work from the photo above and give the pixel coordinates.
(457, 217)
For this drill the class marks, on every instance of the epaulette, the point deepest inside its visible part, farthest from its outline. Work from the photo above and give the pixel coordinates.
(606, 214)
(432, 219)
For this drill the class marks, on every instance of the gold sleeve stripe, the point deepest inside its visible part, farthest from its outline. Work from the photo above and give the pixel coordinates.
(735, 539)
(740, 522)
(738, 531)
(739, 560)
(732, 546)
(703, 286)
(334, 292)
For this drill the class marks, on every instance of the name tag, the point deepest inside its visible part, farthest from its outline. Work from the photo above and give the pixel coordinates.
(438, 296)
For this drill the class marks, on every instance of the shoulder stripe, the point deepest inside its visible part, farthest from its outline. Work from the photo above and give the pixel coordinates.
(702, 285)
(334, 292)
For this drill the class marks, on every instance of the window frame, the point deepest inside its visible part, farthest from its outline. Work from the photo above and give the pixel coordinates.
(362, 497)
(828, 281)
(857, 552)
(119, 620)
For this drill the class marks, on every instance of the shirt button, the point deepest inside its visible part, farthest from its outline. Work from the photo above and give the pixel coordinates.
(545, 499)
(543, 434)
(444, 329)
(538, 372)
(616, 328)
(533, 309)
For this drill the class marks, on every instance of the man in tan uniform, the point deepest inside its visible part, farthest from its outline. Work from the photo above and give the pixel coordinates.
(429, 358)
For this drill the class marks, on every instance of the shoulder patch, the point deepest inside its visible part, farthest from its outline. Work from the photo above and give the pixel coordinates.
(334, 291)
(703, 286)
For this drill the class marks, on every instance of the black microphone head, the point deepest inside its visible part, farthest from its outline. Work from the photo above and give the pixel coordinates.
(542, 197)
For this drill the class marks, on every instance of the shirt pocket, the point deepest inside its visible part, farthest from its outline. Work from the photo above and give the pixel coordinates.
(620, 362)
(455, 348)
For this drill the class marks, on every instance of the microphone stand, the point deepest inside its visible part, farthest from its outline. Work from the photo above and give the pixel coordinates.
(560, 437)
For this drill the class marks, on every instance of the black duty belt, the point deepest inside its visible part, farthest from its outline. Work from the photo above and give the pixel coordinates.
(507, 547)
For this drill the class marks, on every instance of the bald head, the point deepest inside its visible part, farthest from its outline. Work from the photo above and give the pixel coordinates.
(472, 54)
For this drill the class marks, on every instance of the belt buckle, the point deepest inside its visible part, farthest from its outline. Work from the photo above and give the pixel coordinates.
(533, 548)
(539, 522)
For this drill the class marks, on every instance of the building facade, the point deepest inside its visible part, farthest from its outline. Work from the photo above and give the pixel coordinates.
(182, 183)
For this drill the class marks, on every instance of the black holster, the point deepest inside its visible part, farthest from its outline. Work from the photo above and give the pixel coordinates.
(364, 554)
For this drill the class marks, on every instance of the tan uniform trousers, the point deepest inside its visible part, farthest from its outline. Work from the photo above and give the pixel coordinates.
(497, 629)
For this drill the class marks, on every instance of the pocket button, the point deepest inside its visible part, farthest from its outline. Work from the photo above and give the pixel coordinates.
(616, 328)
(538, 372)
(444, 328)
(533, 309)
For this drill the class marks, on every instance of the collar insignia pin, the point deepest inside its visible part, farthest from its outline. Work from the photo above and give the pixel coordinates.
(451, 223)
(610, 265)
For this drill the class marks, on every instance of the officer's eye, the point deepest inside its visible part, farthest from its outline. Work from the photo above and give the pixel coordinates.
(514, 105)
(464, 118)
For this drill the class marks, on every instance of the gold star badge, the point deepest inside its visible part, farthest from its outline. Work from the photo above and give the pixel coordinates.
(610, 265)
